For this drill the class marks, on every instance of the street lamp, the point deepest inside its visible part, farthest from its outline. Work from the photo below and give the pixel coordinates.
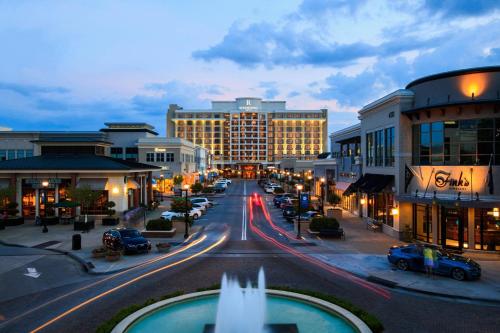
(322, 188)
(186, 214)
(299, 188)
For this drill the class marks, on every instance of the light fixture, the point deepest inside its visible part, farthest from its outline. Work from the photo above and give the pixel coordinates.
(300, 187)
(115, 190)
(496, 212)
(186, 186)
(394, 211)
(322, 179)
(362, 201)
(309, 177)
(45, 183)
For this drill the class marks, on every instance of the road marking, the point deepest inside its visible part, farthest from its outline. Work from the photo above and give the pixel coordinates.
(32, 272)
(244, 214)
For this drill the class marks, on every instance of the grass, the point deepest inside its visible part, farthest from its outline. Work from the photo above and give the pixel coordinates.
(370, 320)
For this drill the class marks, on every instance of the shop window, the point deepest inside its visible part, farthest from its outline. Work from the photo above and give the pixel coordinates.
(389, 146)
(116, 152)
(486, 230)
(422, 222)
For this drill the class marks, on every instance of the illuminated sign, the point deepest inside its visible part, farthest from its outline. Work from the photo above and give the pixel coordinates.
(443, 179)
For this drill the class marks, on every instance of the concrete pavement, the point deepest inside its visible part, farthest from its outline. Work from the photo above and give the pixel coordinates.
(364, 253)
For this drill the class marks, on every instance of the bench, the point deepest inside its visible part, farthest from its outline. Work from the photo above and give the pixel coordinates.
(336, 233)
(373, 225)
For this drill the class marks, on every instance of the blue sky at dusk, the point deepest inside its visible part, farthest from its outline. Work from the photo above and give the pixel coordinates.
(73, 65)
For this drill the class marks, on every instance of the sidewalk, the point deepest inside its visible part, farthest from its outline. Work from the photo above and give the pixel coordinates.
(59, 238)
(364, 253)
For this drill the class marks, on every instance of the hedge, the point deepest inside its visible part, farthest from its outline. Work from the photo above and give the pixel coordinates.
(159, 224)
(319, 223)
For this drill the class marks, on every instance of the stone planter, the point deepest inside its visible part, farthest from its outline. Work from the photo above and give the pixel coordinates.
(113, 255)
(110, 220)
(50, 220)
(80, 225)
(163, 247)
(159, 233)
(99, 253)
(14, 220)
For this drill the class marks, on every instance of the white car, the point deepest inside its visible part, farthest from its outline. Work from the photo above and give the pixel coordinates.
(221, 184)
(204, 201)
(168, 215)
(225, 180)
(199, 206)
(270, 189)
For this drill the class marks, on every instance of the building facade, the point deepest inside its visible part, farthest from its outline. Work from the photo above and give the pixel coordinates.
(431, 160)
(249, 134)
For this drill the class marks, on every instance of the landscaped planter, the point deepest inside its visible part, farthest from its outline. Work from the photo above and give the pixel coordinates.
(113, 255)
(110, 220)
(14, 220)
(84, 226)
(159, 233)
(50, 220)
(99, 253)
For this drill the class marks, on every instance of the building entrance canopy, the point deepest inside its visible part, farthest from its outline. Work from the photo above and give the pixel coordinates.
(370, 183)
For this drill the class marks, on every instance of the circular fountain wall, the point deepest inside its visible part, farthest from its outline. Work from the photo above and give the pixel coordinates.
(191, 313)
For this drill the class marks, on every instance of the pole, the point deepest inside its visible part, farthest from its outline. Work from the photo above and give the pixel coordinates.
(298, 219)
(186, 217)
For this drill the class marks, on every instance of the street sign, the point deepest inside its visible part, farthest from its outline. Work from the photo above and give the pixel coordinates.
(304, 200)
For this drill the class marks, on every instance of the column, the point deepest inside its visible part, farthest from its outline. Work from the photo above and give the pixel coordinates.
(13, 185)
(435, 223)
(150, 188)
(56, 197)
(37, 202)
(470, 228)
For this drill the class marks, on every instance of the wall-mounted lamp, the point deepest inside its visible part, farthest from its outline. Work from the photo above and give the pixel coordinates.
(115, 190)
(322, 179)
(362, 201)
(394, 211)
(45, 183)
(496, 212)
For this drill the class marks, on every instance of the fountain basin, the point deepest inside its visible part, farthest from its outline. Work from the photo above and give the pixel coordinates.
(192, 312)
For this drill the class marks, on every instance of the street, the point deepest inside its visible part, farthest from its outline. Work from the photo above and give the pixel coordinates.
(239, 237)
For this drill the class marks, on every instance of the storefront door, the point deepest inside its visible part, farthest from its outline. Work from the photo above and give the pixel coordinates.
(453, 227)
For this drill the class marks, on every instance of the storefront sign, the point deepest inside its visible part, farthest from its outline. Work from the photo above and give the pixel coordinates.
(449, 180)
(40, 180)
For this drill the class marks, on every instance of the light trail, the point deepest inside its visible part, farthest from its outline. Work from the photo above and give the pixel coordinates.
(196, 242)
(138, 278)
(381, 292)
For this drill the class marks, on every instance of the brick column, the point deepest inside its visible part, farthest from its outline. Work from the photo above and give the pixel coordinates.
(150, 188)
(13, 185)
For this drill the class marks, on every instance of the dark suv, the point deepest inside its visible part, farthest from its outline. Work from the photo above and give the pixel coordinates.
(289, 212)
(127, 239)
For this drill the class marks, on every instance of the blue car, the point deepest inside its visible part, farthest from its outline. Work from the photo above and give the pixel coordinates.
(411, 257)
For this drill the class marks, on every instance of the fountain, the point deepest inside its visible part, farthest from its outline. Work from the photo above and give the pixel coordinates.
(236, 309)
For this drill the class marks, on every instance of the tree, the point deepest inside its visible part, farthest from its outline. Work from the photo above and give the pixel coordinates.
(6, 195)
(178, 205)
(84, 195)
(196, 187)
(333, 198)
(178, 180)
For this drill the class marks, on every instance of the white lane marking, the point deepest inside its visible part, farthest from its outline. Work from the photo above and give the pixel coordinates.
(32, 272)
(244, 217)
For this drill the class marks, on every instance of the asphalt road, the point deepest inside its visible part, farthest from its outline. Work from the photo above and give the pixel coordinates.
(79, 303)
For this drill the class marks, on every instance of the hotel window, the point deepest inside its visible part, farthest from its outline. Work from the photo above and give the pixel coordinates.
(150, 157)
(28, 153)
(389, 146)
(160, 157)
(20, 153)
(116, 152)
(11, 154)
(3, 154)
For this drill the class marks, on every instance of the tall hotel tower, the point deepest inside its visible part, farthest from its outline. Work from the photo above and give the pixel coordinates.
(250, 134)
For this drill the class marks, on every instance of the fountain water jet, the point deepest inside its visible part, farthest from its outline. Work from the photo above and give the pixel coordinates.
(241, 310)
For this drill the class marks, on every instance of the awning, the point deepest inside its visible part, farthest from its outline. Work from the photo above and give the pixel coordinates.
(132, 184)
(370, 183)
(4, 182)
(342, 185)
(96, 184)
(449, 202)
(66, 204)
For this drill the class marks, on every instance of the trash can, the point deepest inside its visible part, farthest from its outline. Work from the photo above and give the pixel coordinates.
(77, 242)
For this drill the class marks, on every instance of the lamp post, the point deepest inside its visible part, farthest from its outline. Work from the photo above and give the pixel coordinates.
(322, 186)
(186, 213)
(299, 188)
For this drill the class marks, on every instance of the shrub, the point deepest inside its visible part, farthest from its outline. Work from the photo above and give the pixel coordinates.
(159, 225)
(12, 208)
(319, 223)
(196, 187)
(333, 198)
(207, 190)
(177, 180)
(278, 190)
(109, 205)
(178, 205)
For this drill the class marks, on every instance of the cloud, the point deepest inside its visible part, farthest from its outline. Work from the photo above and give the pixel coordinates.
(293, 94)
(315, 8)
(30, 90)
(3, 129)
(460, 8)
(270, 89)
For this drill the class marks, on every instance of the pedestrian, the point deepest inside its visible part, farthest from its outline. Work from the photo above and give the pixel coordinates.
(428, 260)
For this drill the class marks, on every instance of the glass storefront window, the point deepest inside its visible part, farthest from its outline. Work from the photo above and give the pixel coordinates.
(422, 222)
(454, 223)
(486, 230)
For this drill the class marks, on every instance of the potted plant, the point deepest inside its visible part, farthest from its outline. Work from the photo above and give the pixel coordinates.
(113, 255)
(12, 212)
(99, 252)
(86, 197)
(163, 247)
(110, 219)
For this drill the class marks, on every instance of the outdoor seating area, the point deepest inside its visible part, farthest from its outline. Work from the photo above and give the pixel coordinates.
(372, 224)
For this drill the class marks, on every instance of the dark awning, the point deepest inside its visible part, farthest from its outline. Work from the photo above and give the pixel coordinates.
(96, 184)
(370, 183)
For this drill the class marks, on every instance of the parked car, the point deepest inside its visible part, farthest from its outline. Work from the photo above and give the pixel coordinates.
(307, 216)
(225, 180)
(289, 202)
(289, 212)
(204, 201)
(200, 206)
(270, 189)
(221, 183)
(219, 188)
(194, 213)
(278, 197)
(411, 257)
(127, 240)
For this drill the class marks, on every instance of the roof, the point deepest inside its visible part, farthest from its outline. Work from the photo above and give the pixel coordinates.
(129, 127)
(73, 162)
(454, 73)
(72, 139)
(400, 93)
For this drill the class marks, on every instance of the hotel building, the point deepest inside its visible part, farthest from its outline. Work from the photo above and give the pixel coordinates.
(431, 160)
(249, 134)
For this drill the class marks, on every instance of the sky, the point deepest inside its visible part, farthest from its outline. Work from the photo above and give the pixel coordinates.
(74, 65)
